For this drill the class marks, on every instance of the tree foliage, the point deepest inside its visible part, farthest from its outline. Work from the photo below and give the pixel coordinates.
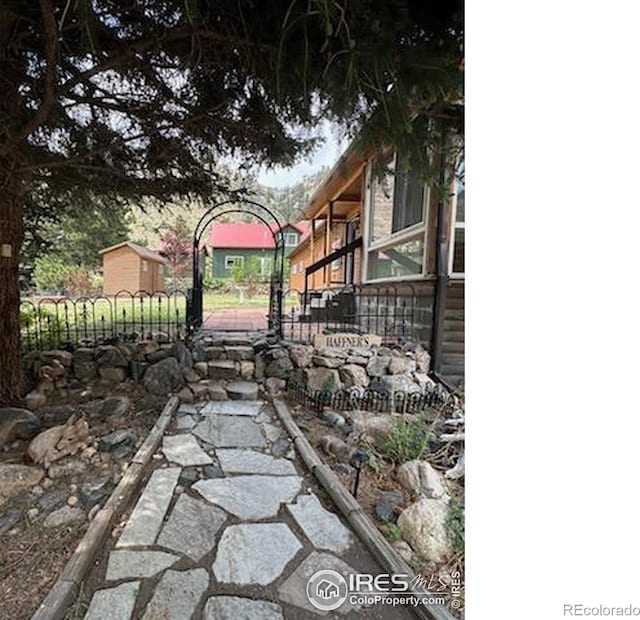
(135, 99)
(176, 246)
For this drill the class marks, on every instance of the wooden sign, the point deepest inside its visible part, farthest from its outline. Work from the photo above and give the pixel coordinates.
(347, 341)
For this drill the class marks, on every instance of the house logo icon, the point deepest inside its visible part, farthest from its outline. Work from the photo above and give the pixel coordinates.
(327, 590)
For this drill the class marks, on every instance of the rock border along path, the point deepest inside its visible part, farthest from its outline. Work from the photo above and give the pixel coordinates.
(229, 537)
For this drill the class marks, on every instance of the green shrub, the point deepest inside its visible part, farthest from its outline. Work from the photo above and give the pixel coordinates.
(455, 525)
(50, 273)
(393, 532)
(48, 326)
(212, 284)
(408, 439)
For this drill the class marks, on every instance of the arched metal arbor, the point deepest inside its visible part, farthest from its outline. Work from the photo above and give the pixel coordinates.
(270, 220)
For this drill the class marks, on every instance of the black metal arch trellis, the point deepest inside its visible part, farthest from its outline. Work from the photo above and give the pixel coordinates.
(271, 221)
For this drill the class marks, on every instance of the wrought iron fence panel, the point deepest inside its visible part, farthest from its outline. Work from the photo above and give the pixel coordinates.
(65, 322)
(396, 313)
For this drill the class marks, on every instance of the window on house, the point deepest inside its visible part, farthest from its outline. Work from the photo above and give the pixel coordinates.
(290, 239)
(397, 212)
(397, 203)
(230, 261)
(456, 249)
(265, 266)
(401, 259)
(336, 264)
(145, 265)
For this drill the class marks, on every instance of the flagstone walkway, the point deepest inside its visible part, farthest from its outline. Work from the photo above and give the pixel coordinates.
(229, 526)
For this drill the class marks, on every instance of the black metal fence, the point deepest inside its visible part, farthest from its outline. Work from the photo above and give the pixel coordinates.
(364, 399)
(396, 313)
(63, 322)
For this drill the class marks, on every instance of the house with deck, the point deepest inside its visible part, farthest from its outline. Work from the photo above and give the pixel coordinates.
(239, 242)
(385, 254)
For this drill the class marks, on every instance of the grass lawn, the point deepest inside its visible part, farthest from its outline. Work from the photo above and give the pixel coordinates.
(127, 310)
(225, 301)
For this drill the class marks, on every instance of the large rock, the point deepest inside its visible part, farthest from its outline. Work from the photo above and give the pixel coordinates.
(250, 497)
(14, 479)
(239, 608)
(423, 526)
(280, 367)
(426, 383)
(352, 374)
(17, 423)
(254, 553)
(371, 427)
(378, 366)
(114, 374)
(301, 355)
(392, 384)
(85, 371)
(420, 478)
(164, 377)
(84, 354)
(113, 603)
(180, 352)
(223, 369)
(177, 594)
(35, 400)
(192, 527)
(93, 492)
(242, 390)
(327, 362)
(322, 379)
(423, 359)
(213, 353)
(115, 406)
(49, 357)
(240, 353)
(67, 467)
(64, 516)
(111, 355)
(58, 441)
(400, 364)
(198, 353)
(116, 439)
(333, 352)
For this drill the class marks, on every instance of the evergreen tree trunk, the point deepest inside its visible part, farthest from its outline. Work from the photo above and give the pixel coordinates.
(11, 233)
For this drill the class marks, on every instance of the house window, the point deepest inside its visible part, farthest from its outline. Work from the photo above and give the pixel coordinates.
(265, 266)
(397, 229)
(290, 239)
(336, 264)
(231, 261)
(404, 258)
(397, 203)
(456, 248)
(145, 265)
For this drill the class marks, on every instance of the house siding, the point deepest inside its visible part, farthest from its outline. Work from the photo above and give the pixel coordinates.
(219, 255)
(123, 271)
(452, 356)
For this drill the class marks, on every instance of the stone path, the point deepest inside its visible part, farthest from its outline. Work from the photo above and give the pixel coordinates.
(226, 530)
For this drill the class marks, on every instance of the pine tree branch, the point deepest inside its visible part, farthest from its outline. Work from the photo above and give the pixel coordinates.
(50, 95)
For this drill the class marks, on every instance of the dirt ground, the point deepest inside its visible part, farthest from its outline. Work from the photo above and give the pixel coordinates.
(31, 555)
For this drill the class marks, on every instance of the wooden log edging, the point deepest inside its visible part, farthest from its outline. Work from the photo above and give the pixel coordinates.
(65, 589)
(366, 530)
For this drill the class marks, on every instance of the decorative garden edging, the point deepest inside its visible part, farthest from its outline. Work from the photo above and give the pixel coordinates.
(353, 512)
(66, 587)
